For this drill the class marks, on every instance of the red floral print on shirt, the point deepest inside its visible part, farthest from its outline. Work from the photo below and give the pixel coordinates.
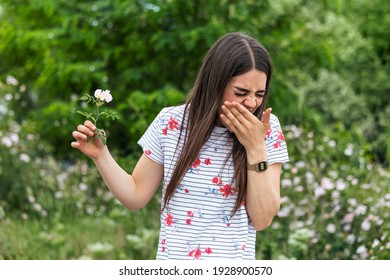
(196, 163)
(169, 220)
(165, 131)
(195, 253)
(227, 190)
(173, 124)
(217, 180)
(207, 161)
(163, 242)
(268, 133)
(148, 152)
(280, 135)
(208, 250)
(190, 215)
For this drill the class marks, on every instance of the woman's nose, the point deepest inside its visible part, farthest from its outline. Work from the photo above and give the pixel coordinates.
(250, 103)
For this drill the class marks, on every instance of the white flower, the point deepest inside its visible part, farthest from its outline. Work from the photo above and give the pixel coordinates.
(37, 207)
(58, 195)
(103, 95)
(327, 184)
(375, 243)
(331, 228)
(11, 80)
(8, 97)
(347, 227)
(366, 225)
(284, 212)
(24, 157)
(351, 238)
(99, 94)
(362, 251)
(99, 247)
(14, 138)
(286, 182)
(107, 96)
(83, 187)
(318, 191)
(349, 150)
(348, 218)
(6, 141)
(297, 180)
(294, 170)
(309, 177)
(31, 199)
(335, 195)
(284, 199)
(341, 185)
(352, 201)
(361, 210)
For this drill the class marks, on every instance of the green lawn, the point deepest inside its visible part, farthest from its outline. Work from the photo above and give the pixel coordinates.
(84, 238)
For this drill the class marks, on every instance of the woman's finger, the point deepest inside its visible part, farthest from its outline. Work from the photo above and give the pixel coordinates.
(79, 136)
(243, 111)
(85, 129)
(75, 145)
(266, 117)
(90, 125)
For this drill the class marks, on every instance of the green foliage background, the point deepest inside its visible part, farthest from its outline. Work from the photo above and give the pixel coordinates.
(330, 91)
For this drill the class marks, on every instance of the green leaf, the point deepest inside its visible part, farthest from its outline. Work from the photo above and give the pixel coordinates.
(88, 115)
(84, 97)
(110, 114)
(87, 97)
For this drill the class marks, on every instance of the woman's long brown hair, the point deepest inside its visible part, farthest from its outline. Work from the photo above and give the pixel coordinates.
(232, 55)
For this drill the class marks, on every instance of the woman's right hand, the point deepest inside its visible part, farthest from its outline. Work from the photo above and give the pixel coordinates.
(90, 148)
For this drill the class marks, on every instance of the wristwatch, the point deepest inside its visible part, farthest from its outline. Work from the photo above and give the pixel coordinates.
(259, 166)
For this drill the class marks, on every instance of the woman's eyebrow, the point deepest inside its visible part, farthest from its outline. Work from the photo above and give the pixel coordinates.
(247, 90)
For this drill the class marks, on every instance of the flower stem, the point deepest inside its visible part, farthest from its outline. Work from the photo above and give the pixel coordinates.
(98, 114)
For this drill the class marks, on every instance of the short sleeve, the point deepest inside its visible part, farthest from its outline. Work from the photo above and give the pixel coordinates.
(276, 143)
(151, 140)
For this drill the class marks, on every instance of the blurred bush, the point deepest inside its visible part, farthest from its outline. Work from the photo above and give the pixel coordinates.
(334, 202)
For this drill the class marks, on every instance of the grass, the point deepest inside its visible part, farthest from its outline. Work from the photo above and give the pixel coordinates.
(82, 238)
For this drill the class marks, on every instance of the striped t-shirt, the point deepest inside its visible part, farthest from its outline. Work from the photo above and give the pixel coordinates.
(197, 223)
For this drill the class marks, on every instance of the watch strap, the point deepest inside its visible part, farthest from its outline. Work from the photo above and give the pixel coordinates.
(259, 166)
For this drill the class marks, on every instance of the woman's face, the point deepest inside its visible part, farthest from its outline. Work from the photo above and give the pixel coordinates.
(248, 89)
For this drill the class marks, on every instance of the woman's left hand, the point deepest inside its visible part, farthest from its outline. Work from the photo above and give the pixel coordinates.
(250, 131)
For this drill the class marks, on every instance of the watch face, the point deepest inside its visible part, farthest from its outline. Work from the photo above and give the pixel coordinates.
(262, 166)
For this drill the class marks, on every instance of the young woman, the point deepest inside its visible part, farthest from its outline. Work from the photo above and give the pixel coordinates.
(219, 157)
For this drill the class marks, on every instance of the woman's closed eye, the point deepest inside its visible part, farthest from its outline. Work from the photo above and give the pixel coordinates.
(240, 93)
(260, 95)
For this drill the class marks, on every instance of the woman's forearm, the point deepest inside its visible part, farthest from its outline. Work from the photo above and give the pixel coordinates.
(263, 196)
(119, 182)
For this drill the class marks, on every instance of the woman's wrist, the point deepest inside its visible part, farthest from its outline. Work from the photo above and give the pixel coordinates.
(257, 153)
(102, 156)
